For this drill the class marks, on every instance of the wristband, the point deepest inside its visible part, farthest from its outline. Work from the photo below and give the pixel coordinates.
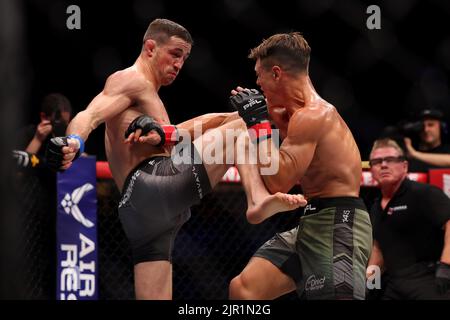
(260, 131)
(170, 134)
(80, 140)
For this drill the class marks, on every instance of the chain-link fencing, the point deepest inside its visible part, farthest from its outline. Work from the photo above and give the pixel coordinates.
(210, 249)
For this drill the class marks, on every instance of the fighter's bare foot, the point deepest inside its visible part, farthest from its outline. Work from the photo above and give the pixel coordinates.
(274, 203)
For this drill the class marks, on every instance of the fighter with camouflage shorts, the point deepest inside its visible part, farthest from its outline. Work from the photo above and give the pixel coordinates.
(325, 257)
(333, 267)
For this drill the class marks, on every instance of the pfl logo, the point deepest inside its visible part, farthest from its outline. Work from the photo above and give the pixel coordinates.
(251, 103)
(310, 207)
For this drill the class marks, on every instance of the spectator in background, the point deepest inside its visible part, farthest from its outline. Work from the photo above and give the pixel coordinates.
(34, 187)
(431, 152)
(55, 115)
(411, 229)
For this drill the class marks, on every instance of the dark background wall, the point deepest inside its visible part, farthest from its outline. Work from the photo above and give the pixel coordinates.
(373, 77)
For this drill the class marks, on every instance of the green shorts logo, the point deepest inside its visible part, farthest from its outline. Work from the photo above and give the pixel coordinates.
(313, 283)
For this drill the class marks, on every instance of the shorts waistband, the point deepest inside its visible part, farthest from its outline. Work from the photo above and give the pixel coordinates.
(315, 205)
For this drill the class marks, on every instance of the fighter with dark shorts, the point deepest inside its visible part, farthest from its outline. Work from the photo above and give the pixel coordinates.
(156, 201)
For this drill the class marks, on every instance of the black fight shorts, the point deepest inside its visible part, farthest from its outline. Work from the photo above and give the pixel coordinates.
(155, 203)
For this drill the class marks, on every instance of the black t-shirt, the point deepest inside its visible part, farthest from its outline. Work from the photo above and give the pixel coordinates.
(409, 229)
(420, 166)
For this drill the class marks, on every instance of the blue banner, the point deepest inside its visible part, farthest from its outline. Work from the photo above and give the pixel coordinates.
(76, 232)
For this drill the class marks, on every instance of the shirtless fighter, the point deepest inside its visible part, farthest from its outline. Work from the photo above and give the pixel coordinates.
(325, 257)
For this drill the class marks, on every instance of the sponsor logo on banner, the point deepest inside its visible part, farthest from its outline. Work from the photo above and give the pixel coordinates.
(70, 204)
(77, 232)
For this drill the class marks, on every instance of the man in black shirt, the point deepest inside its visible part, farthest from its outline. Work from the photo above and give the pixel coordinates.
(411, 229)
(432, 152)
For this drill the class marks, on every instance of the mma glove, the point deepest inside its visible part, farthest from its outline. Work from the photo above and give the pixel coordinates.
(252, 108)
(26, 160)
(442, 276)
(54, 155)
(168, 133)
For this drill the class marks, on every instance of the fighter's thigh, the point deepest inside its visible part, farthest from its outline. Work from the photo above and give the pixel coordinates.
(263, 280)
(208, 121)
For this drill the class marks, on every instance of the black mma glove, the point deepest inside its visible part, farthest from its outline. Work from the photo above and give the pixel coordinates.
(252, 108)
(54, 155)
(443, 277)
(168, 133)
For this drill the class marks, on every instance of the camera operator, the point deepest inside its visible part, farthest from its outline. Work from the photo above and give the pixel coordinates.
(55, 114)
(431, 152)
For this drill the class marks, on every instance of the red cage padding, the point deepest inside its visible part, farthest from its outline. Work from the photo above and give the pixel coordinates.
(103, 171)
(232, 175)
